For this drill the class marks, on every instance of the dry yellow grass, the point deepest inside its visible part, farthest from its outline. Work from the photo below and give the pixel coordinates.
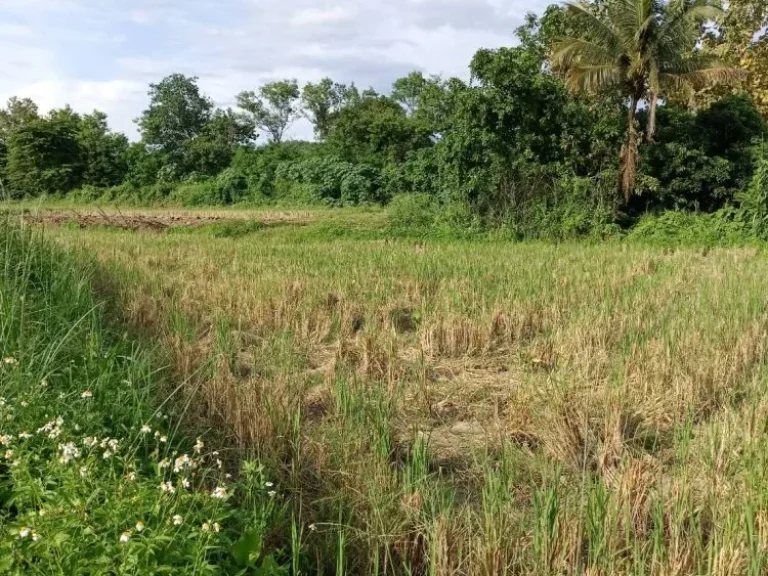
(476, 408)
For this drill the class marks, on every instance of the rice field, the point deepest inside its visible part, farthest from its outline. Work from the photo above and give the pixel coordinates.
(468, 407)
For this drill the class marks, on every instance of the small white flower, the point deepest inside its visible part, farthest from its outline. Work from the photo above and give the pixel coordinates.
(216, 527)
(199, 445)
(163, 439)
(268, 484)
(219, 493)
(107, 454)
(218, 463)
(185, 483)
(2, 401)
(125, 536)
(164, 463)
(312, 527)
(8, 454)
(206, 527)
(167, 487)
(90, 441)
(10, 360)
(146, 429)
(181, 463)
(35, 536)
(271, 493)
(177, 520)
(69, 452)
(83, 471)
(24, 532)
(5, 439)
(86, 394)
(24, 435)
(139, 526)
(24, 404)
(131, 476)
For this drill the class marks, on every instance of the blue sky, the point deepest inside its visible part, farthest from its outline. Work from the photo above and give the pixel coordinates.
(104, 53)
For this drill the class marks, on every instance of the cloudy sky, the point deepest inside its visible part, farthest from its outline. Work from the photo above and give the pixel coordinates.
(104, 53)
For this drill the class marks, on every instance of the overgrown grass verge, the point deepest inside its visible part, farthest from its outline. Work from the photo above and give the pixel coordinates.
(93, 479)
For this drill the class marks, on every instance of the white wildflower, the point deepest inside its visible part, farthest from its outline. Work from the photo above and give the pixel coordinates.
(164, 463)
(86, 394)
(216, 527)
(83, 471)
(271, 493)
(35, 536)
(312, 527)
(184, 483)
(90, 441)
(69, 452)
(218, 463)
(268, 484)
(125, 536)
(206, 527)
(2, 401)
(24, 532)
(24, 404)
(10, 360)
(5, 439)
(52, 428)
(167, 487)
(24, 435)
(219, 492)
(163, 439)
(139, 526)
(146, 429)
(131, 476)
(182, 462)
(107, 454)
(177, 520)
(199, 445)
(8, 454)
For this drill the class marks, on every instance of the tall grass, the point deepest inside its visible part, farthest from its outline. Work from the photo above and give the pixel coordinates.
(93, 478)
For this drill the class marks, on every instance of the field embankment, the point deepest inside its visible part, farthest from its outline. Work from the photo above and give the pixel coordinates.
(95, 475)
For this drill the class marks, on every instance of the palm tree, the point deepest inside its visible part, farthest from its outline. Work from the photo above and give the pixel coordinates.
(645, 50)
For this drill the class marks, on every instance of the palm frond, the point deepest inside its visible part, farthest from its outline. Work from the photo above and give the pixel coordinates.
(590, 25)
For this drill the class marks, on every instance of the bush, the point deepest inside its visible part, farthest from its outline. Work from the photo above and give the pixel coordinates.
(412, 214)
(676, 227)
(328, 180)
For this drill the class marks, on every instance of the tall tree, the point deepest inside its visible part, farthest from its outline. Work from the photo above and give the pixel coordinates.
(274, 107)
(177, 113)
(322, 100)
(642, 49)
(103, 152)
(44, 157)
(18, 112)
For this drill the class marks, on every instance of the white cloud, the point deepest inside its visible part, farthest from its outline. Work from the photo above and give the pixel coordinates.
(104, 53)
(322, 16)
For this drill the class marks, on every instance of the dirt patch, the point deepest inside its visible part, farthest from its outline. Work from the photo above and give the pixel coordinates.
(131, 221)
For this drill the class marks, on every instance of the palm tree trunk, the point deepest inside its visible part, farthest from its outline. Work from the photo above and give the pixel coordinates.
(651, 131)
(628, 156)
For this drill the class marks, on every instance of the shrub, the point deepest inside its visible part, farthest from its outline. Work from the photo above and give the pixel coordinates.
(412, 214)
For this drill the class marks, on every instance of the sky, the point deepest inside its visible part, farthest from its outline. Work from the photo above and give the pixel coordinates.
(103, 54)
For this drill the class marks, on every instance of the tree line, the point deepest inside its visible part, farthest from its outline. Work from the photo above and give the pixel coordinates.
(605, 110)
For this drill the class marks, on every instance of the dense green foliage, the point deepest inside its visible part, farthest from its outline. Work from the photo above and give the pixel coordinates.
(593, 122)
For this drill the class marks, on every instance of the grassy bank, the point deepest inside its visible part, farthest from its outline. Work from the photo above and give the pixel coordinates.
(95, 477)
(464, 407)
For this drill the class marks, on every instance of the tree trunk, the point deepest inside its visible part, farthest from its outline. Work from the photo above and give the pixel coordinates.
(628, 156)
(651, 131)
